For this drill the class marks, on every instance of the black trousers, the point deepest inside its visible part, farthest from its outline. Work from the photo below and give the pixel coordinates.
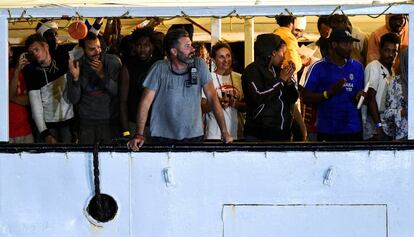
(340, 137)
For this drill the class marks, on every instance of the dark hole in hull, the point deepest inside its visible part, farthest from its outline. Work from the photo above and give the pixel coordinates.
(102, 207)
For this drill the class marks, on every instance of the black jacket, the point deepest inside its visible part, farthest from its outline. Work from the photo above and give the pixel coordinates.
(269, 102)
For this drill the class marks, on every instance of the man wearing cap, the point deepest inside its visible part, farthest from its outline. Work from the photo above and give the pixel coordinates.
(269, 91)
(359, 49)
(334, 84)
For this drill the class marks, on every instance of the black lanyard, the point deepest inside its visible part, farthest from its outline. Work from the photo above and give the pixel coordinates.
(220, 86)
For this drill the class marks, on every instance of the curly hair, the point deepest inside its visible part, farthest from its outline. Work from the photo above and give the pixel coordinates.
(155, 38)
(217, 46)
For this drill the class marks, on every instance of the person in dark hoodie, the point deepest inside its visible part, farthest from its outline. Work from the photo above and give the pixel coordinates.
(269, 91)
(93, 87)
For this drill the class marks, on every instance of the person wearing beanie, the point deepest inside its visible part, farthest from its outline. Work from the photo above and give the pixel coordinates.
(269, 91)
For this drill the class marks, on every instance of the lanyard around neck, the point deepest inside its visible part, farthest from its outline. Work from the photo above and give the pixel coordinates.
(220, 85)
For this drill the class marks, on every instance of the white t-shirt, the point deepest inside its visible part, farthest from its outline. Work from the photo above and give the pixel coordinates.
(378, 77)
(227, 85)
(176, 110)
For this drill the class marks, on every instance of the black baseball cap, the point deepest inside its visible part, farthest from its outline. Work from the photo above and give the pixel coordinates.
(338, 35)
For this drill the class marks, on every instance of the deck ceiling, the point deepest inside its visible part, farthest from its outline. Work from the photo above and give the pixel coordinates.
(163, 8)
(232, 28)
(173, 3)
(23, 14)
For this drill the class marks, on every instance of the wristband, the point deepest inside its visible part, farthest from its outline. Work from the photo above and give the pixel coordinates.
(137, 135)
(325, 95)
(126, 134)
(378, 125)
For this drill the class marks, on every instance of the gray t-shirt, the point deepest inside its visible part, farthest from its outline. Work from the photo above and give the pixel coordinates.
(176, 110)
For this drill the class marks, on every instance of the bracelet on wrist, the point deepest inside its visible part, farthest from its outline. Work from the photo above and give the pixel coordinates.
(325, 95)
(138, 135)
(378, 125)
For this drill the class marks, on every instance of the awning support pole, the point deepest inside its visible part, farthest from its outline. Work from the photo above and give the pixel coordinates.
(215, 30)
(248, 41)
(4, 75)
(411, 77)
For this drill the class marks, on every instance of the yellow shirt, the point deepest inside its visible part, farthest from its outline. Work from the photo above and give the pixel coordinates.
(292, 47)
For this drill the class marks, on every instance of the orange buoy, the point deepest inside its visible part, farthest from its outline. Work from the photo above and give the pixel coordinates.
(78, 30)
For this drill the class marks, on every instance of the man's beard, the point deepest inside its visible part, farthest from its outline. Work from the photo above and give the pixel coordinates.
(344, 54)
(388, 62)
(185, 59)
(94, 57)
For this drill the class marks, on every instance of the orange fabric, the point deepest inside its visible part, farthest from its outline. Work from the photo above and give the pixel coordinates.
(374, 44)
(292, 47)
(18, 116)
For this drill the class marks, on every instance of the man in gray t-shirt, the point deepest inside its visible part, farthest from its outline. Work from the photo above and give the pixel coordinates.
(173, 88)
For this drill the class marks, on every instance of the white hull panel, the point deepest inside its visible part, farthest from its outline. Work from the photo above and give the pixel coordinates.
(207, 194)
